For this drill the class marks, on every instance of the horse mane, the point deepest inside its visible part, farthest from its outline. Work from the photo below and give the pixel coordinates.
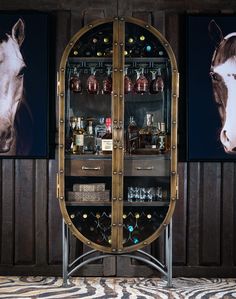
(225, 50)
(24, 129)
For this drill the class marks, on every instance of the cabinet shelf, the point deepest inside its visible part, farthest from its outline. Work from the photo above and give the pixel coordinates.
(108, 204)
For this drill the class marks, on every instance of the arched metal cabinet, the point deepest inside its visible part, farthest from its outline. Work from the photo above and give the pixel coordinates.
(127, 222)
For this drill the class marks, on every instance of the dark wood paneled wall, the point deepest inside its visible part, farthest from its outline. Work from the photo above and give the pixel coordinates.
(204, 224)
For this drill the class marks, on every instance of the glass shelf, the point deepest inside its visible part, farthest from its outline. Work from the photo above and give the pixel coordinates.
(127, 204)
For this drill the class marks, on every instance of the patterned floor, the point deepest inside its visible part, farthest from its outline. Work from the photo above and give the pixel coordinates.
(122, 288)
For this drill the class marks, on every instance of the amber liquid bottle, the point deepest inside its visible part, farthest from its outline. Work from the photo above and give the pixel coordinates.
(132, 136)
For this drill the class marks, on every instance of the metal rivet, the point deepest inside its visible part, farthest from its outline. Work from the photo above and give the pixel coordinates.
(61, 121)
(119, 250)
(114, 198)
(144, 243)
(115, 43)
(116, 18)
(115, 121)
(120, 122)
(147, 26)
(115, 69)
(61, 94)
(88, 242)
(122, 19)
(113, 224)
(120, 198)
(61, 146)
(173, 172)
(61, 170)
(120, 172)
(174, 70)
(62, 69)
(173, 198)
(174, 122)
(121, 44)
(115, 146)
(115, 94)
(166, 45)
(90, 25)
(121, 70)
(120, 147)
(69, 223)
(164, 224)
(71, 43)
(173, 146)
(174, 95)
(113, 249)
(121, 96)
(120, 224)
(61, 197)
(115, 172)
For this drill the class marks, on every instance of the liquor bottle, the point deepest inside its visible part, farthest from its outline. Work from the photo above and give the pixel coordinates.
(69, 137)
(162, 138)
(89, 140)
(132, 136)
(78, 137)
(75, 82)
(107, 142)
(149, 133)
(100, 131)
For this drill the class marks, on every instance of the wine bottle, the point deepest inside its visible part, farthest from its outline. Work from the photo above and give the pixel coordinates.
(75, 82)
(148, 134)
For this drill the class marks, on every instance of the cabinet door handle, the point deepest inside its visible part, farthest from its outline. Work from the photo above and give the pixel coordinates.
(90, 168)
(144, 168)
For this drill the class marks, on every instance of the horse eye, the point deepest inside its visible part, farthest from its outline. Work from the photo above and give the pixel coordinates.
(21, 72)
(215, 76)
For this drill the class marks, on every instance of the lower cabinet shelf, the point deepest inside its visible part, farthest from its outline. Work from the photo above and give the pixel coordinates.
(127, 204)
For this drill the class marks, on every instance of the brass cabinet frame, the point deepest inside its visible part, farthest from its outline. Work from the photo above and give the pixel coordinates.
(118, 133)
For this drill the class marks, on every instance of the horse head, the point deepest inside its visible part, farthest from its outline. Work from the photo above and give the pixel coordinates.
(223, 76)
(11, 86)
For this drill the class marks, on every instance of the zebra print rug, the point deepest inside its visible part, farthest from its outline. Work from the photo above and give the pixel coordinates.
(123, 288)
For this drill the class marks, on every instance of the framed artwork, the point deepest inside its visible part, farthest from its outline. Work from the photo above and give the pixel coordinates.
(211, 87)
(24, 85)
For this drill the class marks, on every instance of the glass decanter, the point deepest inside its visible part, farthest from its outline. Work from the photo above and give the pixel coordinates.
(128, 85)
(107, 83)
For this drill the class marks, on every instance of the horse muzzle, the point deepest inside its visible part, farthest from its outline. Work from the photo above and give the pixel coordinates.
(228, 141)
(6, 139)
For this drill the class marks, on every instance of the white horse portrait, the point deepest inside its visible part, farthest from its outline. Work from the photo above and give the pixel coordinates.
(223, 76)
(11, 86)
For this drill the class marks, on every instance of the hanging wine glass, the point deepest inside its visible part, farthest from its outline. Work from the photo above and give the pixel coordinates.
(75, 82)
(160, 81)
(128, 85)
(141, 84)
(107, 83)
(92, 82)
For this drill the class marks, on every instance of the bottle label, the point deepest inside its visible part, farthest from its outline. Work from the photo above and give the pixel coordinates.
(107, 144)
(79, 140)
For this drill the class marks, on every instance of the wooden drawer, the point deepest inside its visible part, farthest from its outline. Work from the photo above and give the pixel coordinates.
(147, 167)
(88, 167)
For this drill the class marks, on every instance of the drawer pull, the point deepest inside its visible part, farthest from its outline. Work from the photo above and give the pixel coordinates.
(90, 168)
(144, 168)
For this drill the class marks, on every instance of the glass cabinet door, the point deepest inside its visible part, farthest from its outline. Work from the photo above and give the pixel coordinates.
(117, 176)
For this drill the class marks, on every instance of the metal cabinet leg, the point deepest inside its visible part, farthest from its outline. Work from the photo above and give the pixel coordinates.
(65, 252)
(168, 253)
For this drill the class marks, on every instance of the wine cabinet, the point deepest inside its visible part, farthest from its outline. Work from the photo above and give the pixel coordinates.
(117, 177)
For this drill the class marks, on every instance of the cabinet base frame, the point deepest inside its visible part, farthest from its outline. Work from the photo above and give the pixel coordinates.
(69, 269)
